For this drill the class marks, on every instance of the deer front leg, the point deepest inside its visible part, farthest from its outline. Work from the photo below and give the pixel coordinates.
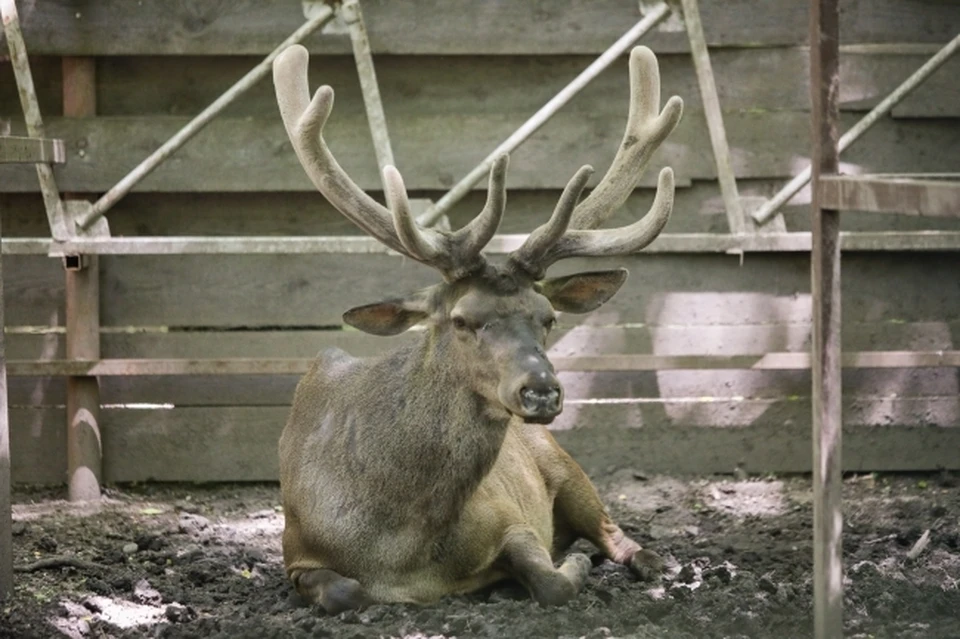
(529, 562)
(578, 509)
(331, 590)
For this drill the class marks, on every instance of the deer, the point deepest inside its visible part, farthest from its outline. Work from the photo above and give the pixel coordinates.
(429, 471)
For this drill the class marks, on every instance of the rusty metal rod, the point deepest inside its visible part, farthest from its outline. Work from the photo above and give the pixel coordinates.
(111, 197)
(765, 212)
(353, 16)
(538, 119)
(31, 115)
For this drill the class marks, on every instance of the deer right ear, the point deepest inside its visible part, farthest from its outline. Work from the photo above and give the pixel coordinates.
(390, 317)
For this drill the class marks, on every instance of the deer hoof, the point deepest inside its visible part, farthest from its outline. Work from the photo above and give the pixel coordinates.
(646, 565)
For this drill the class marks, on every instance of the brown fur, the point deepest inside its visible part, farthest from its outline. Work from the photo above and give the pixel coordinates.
(406, 477)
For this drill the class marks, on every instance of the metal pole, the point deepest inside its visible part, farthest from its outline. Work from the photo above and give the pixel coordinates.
(538, 119)
(32, 117)
(353, 16)
(826, 346)
(767, 211)
(111, 197)
(711, 106)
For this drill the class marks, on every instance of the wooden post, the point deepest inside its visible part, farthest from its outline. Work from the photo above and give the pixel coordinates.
(84, 450)
(6, 515)
(825, 286)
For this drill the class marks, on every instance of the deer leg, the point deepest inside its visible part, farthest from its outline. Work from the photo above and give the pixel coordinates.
(578, 509)
(529, 562)
(333, 591)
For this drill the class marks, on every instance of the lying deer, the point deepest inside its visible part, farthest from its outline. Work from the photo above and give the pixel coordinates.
(428, 471)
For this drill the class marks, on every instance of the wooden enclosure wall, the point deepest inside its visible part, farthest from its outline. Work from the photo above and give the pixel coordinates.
(456, 78)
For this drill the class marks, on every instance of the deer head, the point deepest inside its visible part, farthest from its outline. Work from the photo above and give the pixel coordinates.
(488, 323)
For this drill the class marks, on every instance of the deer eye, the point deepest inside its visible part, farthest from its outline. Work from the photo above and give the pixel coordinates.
(459, 323)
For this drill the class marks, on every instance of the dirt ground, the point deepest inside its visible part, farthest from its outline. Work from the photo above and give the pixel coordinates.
(199, 561)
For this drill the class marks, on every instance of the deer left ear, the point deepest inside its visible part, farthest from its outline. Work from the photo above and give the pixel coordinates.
(390, 317)
(582, 292)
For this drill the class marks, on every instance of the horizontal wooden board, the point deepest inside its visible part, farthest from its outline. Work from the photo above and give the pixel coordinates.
(118, 27)
(434, 151)
(869, 386)
(751, 78)
(239, 444)
(697, 209)
(314, 291)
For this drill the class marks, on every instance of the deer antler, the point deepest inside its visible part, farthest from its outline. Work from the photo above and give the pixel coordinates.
(453, 254)
(568, 234)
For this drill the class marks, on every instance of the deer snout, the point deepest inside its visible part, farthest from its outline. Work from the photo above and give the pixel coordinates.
(540, 400)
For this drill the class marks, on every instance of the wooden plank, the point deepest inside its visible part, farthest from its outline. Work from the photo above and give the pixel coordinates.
(434, 150)
(127, 86)
(826, 348)
(6, 513)
(23, 150)
(38, 448)
(239, 444)
(166, 27)
(866, 387)
(607, 362)
(905, 196)
(314, 290)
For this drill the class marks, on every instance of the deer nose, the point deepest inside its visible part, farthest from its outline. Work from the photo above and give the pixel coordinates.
(540, 401)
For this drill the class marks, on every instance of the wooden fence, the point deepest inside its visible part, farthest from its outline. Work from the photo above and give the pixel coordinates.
(456, 78)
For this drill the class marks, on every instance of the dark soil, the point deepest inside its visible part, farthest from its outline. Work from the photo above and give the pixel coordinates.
(189, 561)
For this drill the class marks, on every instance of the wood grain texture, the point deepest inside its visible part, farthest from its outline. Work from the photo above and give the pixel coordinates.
(117, 27)
(751, 78)
(239, 443)
(253, 154)
(314, 291)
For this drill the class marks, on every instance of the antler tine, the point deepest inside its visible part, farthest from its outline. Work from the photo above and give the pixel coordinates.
(619, 241)
(458, 254)
(304, 120)
(645, 131)
(481, 229)
(531, 255)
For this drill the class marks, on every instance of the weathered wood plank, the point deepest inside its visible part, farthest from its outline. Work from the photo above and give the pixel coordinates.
(864, 386)
(166, 27)
(253, 154)
(128, 86)
(239, 444)
(697, 209)
(905, 196)
(314, 290)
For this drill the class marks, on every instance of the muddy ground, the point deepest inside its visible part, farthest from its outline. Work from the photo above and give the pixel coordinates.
(195, 561)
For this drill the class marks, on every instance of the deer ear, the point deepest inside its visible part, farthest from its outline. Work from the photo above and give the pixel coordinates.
(582, 292)
(390, 317)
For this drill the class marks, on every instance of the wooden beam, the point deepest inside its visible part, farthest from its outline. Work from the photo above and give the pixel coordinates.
(6, 513)
(353, 245)
(84, 444)
(826, 347)
(15, 149)
(641, 362)
(902, 195)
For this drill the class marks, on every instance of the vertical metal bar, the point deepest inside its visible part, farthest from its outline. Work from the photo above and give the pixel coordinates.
(711, 107)
(84, 449)
(31, 115)
(766, 211)
(825, 286)
(538, 119)
(6, 514)
(353, 16)
(145, 168)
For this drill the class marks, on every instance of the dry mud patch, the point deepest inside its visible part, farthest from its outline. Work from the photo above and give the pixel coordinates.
(204, 561)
